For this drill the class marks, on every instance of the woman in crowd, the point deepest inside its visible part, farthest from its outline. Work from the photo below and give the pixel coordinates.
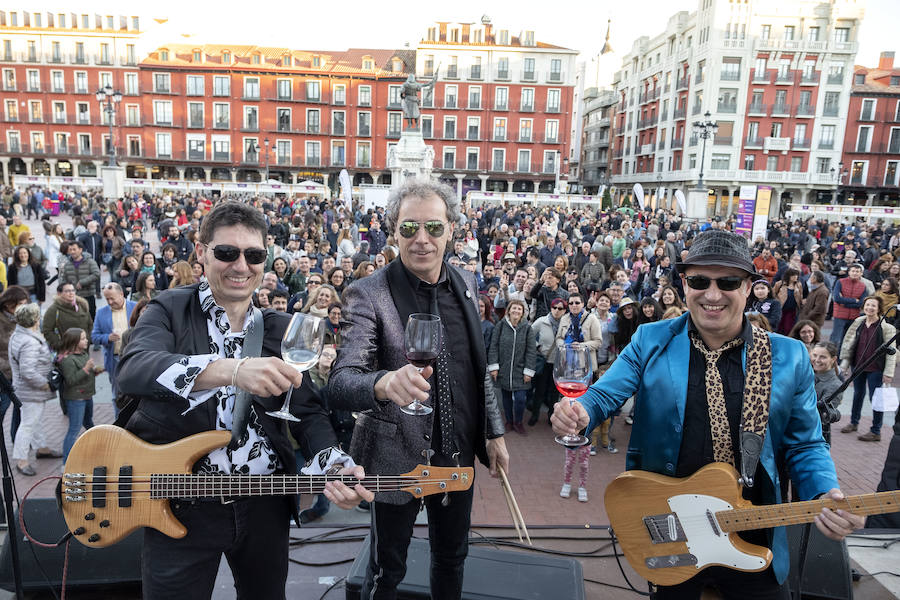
(67, 310)
(111, 248)
(824, 357)
(79, 377)
(336, 278)
(184, 275)
(622, 328)
(282, 271)
(319, 300)
(262, 298)
(167, 260)
(333, 325)
(807, 332)
(512, 359)
(55, 236)
(669, 297)
(640, 263)
(789, 292)
(345, 245)
(25, 272)
(126, 273)
(364, 269)
(197, 268)
(31, 360)
(149, 265)
(144, 287)
(10, 300)
(863, 337)
(888, 293)
(762, 301)
(650, 312)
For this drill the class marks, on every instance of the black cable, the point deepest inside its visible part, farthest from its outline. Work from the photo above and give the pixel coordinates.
(34, 555)
(324, 564)
(331, 587)
(612, 585)
(882, 573)
(482, 537)
(612, 536)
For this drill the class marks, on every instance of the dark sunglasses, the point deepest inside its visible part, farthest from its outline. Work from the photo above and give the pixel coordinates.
(726, 284)
(226, 253)
(433, 228)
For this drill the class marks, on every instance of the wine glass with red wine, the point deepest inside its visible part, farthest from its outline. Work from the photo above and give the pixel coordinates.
(572, 374)
(422, 344)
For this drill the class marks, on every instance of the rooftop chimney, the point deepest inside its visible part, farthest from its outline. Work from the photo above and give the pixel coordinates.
(886, 61)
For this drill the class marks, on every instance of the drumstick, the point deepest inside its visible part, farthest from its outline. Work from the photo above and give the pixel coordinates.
(512, 512)
(512, 497)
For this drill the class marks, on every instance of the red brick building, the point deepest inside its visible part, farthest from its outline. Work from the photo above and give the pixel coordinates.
(871, 157)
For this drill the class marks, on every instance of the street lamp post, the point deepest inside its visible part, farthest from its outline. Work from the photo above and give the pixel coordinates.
(705, 129)
(658, 191)
(112, 98)
(266, 142)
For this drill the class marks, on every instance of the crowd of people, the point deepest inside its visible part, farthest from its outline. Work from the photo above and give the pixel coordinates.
(544, 277)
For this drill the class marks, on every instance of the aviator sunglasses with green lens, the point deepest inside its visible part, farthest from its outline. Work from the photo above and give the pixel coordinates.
(409, 229)
(726, 284)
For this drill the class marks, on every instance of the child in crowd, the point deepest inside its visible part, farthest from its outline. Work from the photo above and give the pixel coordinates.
(77, 392)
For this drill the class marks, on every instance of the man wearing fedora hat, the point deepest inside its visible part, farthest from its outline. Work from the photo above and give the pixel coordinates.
(705, 384)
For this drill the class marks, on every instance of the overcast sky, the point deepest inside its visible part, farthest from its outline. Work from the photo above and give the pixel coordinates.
(580, 25)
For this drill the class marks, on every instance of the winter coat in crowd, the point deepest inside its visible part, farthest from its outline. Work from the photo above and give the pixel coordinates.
(62, 315)
(31, 360)
(513, 353)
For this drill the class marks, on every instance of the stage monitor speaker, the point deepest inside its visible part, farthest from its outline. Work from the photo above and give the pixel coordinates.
(490, 575)
(116, 565)
(826, 573)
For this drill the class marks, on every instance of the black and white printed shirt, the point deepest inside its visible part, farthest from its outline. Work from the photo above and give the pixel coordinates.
(255, 455)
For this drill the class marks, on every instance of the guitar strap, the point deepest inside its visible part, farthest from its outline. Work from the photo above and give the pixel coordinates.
(755, 409)
(251, 348)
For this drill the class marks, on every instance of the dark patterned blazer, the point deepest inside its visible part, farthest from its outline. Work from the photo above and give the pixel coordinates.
(172, 327)
(387, 441)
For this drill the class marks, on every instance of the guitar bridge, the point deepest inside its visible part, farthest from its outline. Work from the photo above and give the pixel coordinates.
(664, 529)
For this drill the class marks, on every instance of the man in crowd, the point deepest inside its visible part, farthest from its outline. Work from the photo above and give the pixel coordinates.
(6, 248)
(848, 295)
(766, 265)
(91, 241)
(183, 246)
(815, 306)
(83, 272)
(184, 363)
(372, 374)
(546, 290)
(699, 379)
(110, 324)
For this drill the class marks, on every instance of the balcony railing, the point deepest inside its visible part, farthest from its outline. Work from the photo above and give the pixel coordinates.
(503, 75)
(529, 75)
(761, 76)
(679, 113)
(809, 78)
(501, 106)
(723, 140)
(727, 107)
(835, 79)
(755, 108)
(826, 145)
(805, 110)
(678, 144)
(781, 110)
(753, 141)
(783, 77)
(731, 76)
(475, 72)
(801, 143)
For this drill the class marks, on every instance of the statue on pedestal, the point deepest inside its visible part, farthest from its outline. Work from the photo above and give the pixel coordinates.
(410, 95)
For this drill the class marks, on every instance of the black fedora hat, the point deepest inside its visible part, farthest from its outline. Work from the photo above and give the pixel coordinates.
(719, 248)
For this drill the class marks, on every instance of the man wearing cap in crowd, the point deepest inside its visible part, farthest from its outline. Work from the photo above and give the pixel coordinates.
(696, 380)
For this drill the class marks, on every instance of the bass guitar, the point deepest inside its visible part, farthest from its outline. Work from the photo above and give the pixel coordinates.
(114, 483)
(672, 528)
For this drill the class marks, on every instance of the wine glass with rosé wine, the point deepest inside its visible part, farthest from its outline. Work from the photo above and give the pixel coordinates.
(572, 374)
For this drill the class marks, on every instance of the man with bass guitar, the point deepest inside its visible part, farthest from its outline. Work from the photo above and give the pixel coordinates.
(710, 388)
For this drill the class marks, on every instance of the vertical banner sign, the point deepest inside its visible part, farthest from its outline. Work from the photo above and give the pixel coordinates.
(682, 202)
(746, 210)
(639, 194)
(761, 214)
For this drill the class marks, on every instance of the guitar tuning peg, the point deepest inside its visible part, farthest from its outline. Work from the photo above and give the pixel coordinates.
(428, 453)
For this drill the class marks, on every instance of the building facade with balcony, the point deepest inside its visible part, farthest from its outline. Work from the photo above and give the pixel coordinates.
(870, 172)
(598, 112)
(221, 112)
(499, 115)
(774, 78)
(52, 63)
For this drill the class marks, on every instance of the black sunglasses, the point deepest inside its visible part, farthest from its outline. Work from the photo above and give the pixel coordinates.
(433, 228)
(726, 284)
(226, 253)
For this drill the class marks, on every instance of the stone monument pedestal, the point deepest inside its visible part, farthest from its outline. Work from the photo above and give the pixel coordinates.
(113, 182)
(697, 204)
(410, 158)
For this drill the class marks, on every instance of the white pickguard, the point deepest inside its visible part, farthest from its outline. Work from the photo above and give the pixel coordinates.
(702, 541)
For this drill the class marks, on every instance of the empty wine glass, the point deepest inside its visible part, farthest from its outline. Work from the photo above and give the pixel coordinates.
(422, 343)
(301, 348)
(572, 374)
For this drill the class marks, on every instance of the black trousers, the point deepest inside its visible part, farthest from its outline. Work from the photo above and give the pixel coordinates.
(733, 585)
(251, 533)
(92, 305)
(448, 533)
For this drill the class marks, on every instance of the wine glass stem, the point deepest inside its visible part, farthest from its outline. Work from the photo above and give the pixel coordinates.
(286, 407)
